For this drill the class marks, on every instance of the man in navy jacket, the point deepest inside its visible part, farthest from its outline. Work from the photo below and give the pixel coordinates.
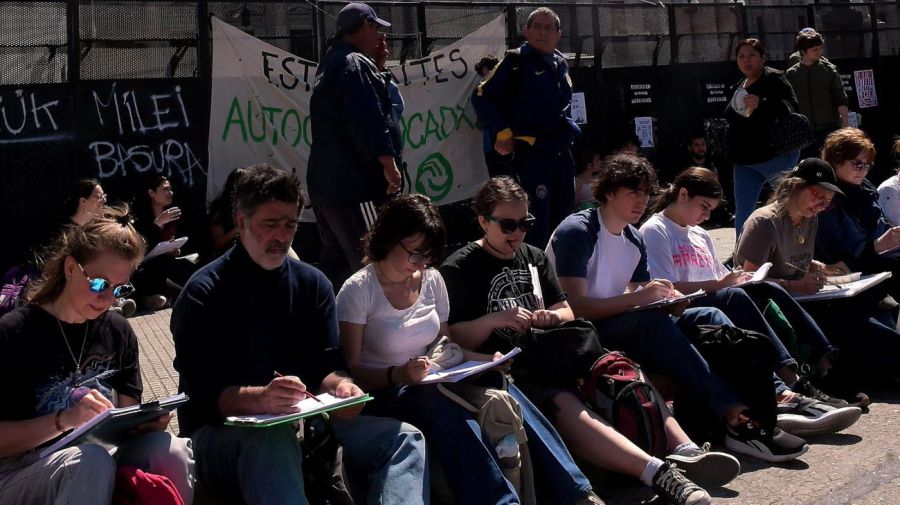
(356, 141)
(527, 101)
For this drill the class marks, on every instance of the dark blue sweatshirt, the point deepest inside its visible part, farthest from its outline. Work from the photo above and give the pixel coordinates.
(236, 323)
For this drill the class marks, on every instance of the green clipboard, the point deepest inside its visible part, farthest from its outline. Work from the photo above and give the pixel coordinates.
(308, 407)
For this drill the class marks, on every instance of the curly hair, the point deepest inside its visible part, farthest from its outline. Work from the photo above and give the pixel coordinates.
(624, 171)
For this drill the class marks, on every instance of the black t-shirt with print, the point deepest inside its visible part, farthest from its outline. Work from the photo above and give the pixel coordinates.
(38, 372)
(479, 283)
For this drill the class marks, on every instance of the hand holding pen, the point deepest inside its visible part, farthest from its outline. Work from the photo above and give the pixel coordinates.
(305, 391)
(414, 370)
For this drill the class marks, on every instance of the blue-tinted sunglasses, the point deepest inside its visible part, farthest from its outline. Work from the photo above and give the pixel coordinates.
(99, 285)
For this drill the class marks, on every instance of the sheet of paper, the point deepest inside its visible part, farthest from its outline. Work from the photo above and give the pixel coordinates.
(308, 406)
(665, 302)
(166, 247)
(467, 369)
(830, 292)
(758, 276)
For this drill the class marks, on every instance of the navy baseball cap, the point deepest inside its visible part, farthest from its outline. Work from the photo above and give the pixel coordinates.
(353, 15)
(819, 172)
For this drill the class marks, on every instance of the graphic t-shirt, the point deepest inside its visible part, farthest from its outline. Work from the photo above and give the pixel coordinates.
(392, 336)
(38, 372)
(479, 284)
(769, 235)
(680, 253)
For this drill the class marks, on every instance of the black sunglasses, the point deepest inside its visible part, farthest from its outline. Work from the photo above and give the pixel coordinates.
(99, 285)
(509, 226)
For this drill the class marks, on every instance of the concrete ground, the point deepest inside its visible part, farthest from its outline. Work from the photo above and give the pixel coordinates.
(858, 466)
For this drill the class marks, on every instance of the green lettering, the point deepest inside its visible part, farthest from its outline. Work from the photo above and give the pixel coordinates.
(234, 117)
(463, 116)
(253, 136)
(417, 115)
(431, 127)
(454, 123)
(269, 117)
(297, 126)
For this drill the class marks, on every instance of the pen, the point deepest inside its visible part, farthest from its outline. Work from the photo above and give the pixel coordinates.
(305, 391)
(806, 271)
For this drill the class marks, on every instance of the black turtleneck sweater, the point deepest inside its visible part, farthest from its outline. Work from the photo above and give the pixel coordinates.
(236, 323)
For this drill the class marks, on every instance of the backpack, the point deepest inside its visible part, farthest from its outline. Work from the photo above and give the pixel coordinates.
(136, 487)
(12, 287)
(557, 357)
(500, 418)
(323, 470)
(616, 389)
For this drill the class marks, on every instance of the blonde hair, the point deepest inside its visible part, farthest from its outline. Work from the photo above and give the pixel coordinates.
(109, 232)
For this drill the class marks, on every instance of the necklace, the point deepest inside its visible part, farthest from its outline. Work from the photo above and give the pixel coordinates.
(69, 347)
(798, 233)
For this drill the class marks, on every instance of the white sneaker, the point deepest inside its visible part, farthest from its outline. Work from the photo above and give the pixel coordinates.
(707, 469)
(803, 416)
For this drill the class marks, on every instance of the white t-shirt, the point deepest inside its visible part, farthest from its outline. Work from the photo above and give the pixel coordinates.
(391, 336)
(889, 199)
(581, 246)
(680, 253)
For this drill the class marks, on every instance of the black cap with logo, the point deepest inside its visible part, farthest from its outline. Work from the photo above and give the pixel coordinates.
(819, 172)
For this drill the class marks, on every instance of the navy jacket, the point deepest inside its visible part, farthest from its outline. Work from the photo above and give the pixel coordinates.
(236, 323)
(352, 125)
(531, 94)
(848, 230)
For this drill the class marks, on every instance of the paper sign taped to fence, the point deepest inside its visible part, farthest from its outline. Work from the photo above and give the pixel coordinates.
(260, 111)
(865, 88)
(643, 128)
(579, 108)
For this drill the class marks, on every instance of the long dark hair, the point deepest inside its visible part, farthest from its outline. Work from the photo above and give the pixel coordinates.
(403, 217)
(698, 181)
(109, 232)
(84, 188)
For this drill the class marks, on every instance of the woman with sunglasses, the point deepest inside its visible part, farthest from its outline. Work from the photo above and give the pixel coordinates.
(389, 313)
(65, 358)
(784, 232)
(500, 287)
(854, 229)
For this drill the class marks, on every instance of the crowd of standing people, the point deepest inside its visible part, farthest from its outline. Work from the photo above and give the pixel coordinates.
(596, 246)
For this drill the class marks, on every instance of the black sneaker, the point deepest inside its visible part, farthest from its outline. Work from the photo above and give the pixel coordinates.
(706, 468)
(673, 486)
(802, 416)
(806, 388)
(776, 446)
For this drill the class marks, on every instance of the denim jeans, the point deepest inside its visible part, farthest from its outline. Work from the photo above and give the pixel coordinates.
(741, 310)
(264, 464)
(454, 436)
(749, 181)
(653, 339)
(805, 327)
(86, 473)
(557, 476)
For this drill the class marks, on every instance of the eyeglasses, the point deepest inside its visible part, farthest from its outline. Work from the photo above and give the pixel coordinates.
(859, 166)
(509, 226)
(415, 257)
(99, 285)
(100, 197)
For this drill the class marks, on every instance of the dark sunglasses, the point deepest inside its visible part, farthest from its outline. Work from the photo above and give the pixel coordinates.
(415, 257)
(99, 285)
(509, 226)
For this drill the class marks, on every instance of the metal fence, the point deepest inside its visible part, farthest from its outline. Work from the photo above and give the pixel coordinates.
(60, 41)
(120, 88)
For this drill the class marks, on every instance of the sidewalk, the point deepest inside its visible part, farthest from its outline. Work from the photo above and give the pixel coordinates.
(859, 466)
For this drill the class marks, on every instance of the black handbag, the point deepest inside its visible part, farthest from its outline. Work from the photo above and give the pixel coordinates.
(791, 132)
(558, 356)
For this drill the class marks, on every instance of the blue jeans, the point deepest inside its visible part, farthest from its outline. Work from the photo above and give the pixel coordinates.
(454, 436)
(741, 310)
(749, 181)
(264, 464)
(557, 477)
(805, 327)
(653, 339)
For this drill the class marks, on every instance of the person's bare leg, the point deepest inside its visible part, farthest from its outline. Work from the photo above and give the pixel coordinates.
(591, 438)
